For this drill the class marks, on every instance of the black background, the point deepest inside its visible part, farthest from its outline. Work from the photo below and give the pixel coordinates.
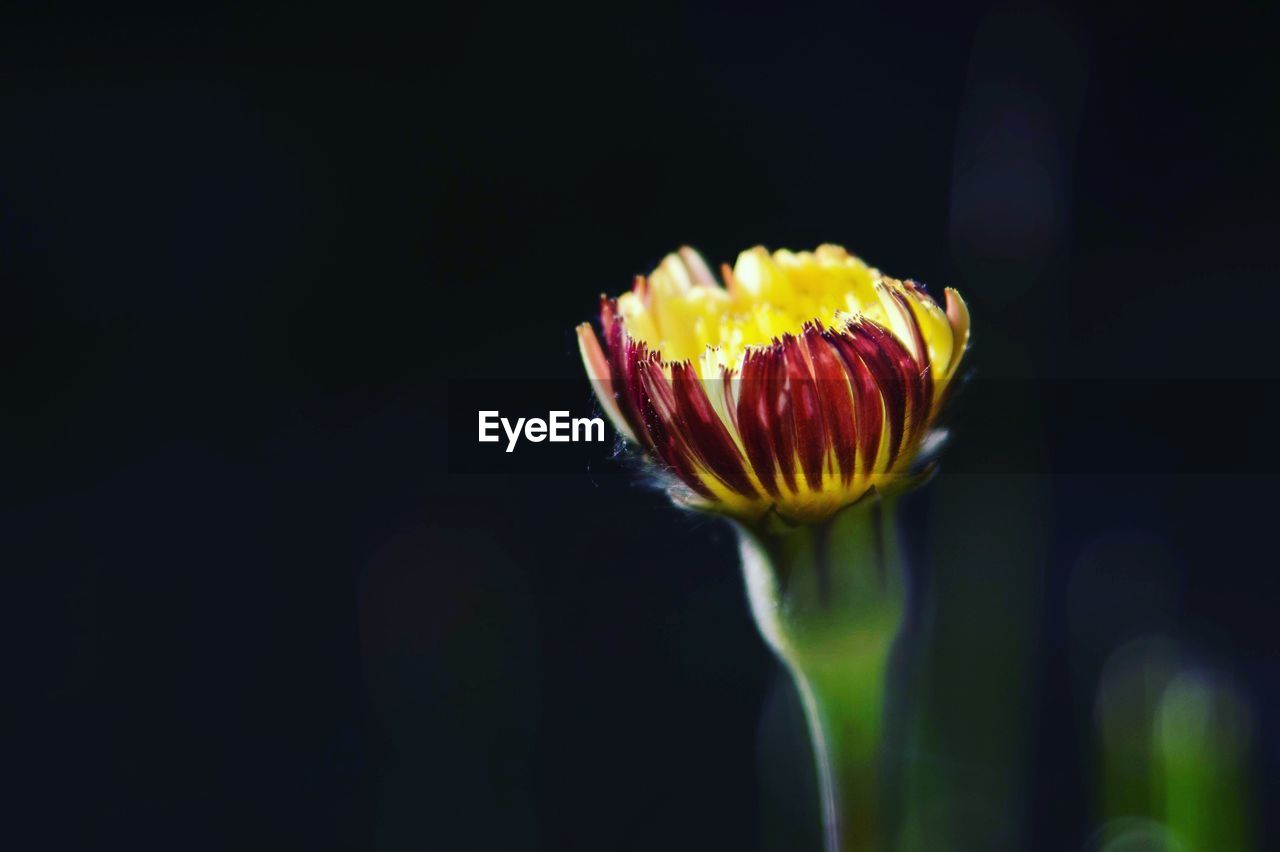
(247, 253)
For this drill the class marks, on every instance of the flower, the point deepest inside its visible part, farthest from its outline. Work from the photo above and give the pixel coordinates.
(804, 383)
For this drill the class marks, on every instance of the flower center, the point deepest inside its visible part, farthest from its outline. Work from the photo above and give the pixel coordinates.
(681, 311)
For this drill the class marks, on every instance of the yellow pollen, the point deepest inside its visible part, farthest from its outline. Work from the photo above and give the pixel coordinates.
(684, 314)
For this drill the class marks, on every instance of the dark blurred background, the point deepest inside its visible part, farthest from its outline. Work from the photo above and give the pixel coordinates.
(250, 256)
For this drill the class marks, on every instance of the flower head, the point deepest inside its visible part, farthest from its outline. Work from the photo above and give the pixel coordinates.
(805, 382)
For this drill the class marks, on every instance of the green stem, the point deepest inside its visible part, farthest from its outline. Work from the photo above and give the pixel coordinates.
(829, 599)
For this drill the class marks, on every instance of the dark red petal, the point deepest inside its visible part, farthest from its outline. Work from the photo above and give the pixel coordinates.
(836, 399)
(780, 422)
(753, 418)
(704, 432)
(868, 405)
(624, 354)
(726, 389)
(890, 365)
(806, 412)
(659, 413)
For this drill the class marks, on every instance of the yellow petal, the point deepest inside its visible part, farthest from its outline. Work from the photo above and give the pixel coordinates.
(958, 316)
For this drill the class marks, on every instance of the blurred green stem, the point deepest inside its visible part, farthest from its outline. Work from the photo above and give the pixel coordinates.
(1203, 734)
(829, 599)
